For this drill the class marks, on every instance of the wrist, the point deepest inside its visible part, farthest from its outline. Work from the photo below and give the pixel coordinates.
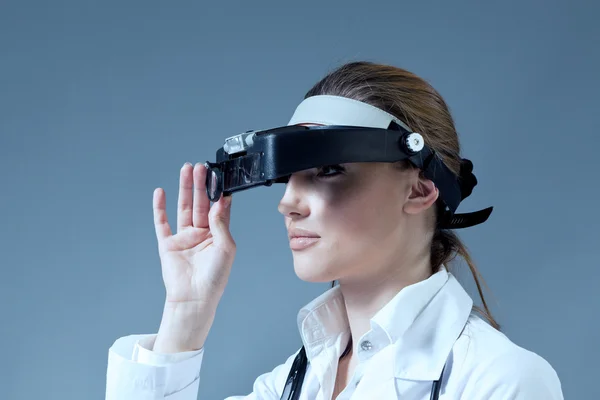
(184, 327)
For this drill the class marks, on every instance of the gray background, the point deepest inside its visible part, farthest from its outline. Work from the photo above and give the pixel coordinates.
(101, 102)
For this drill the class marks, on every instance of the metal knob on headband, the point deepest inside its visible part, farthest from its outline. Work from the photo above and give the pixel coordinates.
(413, 143)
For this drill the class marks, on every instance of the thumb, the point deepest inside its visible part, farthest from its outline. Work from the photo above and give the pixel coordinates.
(219, 217)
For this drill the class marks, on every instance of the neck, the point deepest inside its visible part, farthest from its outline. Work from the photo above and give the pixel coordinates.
(364, 297)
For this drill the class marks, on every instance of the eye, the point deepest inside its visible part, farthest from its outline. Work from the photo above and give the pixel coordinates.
(330, 171)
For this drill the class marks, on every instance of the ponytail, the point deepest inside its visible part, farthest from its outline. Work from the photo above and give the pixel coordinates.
(445, 247)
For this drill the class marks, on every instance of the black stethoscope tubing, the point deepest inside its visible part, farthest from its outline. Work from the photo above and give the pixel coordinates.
(295, 378)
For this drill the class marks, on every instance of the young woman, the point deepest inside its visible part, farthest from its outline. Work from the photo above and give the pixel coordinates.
(398, 324)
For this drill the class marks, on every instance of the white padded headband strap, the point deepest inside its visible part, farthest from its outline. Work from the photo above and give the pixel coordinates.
(337, 110)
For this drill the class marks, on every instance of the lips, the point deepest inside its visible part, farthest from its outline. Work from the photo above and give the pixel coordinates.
(301, 239)
(300, 232)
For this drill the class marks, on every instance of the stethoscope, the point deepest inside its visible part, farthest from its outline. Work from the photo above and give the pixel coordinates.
(293, 384)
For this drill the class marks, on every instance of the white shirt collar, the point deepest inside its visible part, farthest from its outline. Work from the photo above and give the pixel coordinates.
(421, 323)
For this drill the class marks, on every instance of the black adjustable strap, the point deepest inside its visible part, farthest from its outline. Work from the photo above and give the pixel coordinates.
(452, 191)
(457, 221)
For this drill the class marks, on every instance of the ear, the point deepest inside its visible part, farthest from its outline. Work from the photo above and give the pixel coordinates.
(423, 194)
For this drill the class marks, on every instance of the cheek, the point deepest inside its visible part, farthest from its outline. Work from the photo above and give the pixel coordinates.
(360, 217)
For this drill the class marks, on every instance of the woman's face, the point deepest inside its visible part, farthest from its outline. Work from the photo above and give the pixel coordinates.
(361, 214)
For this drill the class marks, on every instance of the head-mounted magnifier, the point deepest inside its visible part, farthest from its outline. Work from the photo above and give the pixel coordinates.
(349, 131)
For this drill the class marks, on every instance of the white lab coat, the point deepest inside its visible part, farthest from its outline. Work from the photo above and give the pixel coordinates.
(424, 327)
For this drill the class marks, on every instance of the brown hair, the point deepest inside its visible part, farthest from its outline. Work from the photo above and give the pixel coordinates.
(415, 102)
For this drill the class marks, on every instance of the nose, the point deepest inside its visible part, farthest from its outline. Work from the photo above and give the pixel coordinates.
(293, 204)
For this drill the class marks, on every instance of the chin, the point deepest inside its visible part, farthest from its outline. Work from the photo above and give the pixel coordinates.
(313, 270)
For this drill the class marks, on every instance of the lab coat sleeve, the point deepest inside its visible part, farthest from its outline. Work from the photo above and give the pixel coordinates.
(135, 372)
(516, 375)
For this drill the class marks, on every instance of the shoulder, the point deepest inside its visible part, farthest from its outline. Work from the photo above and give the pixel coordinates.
(492, 366)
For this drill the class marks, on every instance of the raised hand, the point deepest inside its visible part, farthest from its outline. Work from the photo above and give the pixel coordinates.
(196, 261)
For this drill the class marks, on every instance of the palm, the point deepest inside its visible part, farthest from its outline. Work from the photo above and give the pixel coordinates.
(186, 271)
(195, 261)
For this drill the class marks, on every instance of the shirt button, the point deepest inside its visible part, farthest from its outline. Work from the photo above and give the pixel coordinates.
(366, 345)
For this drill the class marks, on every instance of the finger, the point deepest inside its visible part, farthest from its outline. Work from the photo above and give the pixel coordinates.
(219, 218)
(161, 224)
(201, 200)
(184, 203)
